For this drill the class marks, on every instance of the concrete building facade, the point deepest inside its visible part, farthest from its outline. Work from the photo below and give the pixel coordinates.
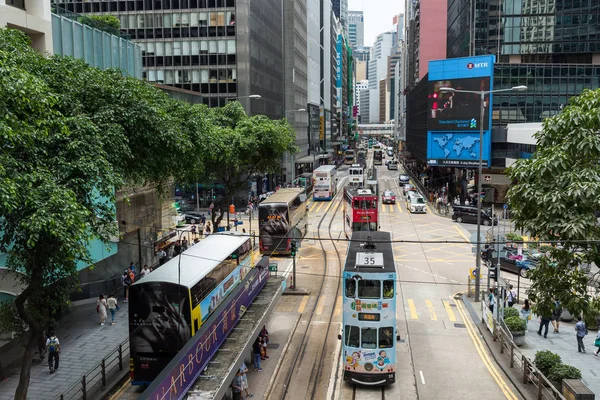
(32, 17)
(356, 29)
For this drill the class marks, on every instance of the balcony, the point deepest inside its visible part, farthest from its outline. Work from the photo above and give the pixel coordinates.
(16, 3)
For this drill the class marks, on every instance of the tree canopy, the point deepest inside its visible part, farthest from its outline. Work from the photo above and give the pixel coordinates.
(70, 135)
(556, 198)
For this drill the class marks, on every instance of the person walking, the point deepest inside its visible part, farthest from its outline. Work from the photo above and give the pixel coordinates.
(132, 268)
(207, 229)
(556, 314)
(101, 307)
(526, 312)
(126, 282)
(145, 271)
(243, 373)
(491, 300)
(193, 230)
(264, 334)
(581, 331)
(256, 350)
(184, 244)
(177, 248)
(512, 296)
(162, 256)
(112, 307)
(597, 344)
(544, 322)
(236, 386)
(53, 348)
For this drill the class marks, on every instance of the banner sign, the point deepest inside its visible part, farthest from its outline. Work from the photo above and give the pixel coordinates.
(181, 373)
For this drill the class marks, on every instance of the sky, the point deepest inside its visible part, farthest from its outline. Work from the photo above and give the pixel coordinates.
(378, 15)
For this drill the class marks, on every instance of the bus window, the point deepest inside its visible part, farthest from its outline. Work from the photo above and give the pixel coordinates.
(386, 337)
(350, 288)
(356, 204)
(369, 338)
(368, 289)
(352, 338)
(388, 289)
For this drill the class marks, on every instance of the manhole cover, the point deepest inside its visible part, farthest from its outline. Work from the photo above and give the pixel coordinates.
(272, 345)
(459, 326)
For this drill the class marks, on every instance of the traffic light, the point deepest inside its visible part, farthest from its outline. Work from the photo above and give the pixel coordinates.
(293, 247)
(493, 272)
(231, 209)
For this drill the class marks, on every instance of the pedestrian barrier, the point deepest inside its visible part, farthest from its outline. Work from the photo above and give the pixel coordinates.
(95, 380)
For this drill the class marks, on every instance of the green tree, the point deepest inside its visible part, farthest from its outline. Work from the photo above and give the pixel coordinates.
(556, 197)
(108, 23)
(69, 135)
(242, 146)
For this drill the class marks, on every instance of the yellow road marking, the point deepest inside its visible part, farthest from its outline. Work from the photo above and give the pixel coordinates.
(321, 204)
(121, 390)
(449, 311)
(320, 306)
(328, 206)
(483, 354)
(431, 310)
(413, 309)
(338, 306)
(313, 206)
(303, 304)
(398, 207)
(461, 234)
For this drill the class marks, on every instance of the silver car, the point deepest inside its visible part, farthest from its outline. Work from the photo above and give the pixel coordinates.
(416, 204)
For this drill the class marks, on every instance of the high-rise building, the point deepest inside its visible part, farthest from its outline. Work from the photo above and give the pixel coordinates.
(361, 70)
(340, 10)
(377, 70)
(396, 56)
(356, 29)
(364, 101)
(222, 49)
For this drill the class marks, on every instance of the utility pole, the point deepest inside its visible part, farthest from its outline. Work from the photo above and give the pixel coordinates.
(293, 248)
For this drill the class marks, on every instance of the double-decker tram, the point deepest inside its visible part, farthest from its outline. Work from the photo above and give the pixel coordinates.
(168, 306)
(282, 217)
(369, 310)
(378, 157)
(349, 157)
(356, 175)
(359, 210)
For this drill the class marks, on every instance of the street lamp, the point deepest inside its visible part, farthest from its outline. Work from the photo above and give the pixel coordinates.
(252, 96)
(482, 94)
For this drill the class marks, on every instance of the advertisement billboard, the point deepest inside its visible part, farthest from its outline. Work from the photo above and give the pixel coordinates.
(453, 117)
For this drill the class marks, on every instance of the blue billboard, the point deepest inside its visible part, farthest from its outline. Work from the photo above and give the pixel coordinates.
(453, 118)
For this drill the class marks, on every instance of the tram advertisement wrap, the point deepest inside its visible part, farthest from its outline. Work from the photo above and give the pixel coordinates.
(274, 225)
(181, 373)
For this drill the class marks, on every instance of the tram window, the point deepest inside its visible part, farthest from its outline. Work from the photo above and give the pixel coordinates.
(388, 289)
(352, 334)
(369, 338)
(369, 289)
(350, 288)
(386, 336)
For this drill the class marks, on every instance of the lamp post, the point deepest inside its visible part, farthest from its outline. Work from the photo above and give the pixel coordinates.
(252, 96)
(482, 94)
(293, 155)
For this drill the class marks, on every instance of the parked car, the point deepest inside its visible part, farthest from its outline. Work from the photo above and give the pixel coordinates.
(388, 197)
(192, 217)
(392, 165)
(403, 179)
(408, 187)
(469, 214)
(415, 203)
(511, 261)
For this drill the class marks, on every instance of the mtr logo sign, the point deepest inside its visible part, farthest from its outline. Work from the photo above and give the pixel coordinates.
(477, 65)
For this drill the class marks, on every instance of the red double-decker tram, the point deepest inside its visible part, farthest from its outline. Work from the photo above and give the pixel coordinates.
(360, 210)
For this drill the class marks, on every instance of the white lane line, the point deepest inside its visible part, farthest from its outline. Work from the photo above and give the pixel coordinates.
(422, 377)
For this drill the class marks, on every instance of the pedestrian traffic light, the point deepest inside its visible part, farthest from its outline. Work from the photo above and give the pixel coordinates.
(293, 247)
(493, 272)
(231, 209)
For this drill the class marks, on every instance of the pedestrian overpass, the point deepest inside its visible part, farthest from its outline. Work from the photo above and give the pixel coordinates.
(376, 129)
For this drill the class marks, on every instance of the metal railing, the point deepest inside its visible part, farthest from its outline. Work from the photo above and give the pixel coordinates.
(95, 380)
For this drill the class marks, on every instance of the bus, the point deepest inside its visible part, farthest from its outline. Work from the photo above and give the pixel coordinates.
(168, 306)
(377, 157)
(282, 217)
(359, 210)
(349, 157)
(369, 311)
(305, 181)
(356, 175)
(324, 182)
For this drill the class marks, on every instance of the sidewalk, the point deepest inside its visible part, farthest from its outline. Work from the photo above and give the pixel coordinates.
(564, 344)
(84, 343)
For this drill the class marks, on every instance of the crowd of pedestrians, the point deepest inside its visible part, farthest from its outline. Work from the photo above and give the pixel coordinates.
(239, 386)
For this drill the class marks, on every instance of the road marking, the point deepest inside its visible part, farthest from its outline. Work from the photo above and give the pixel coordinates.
(431, 310)
(322, 203)
(320, 306)
(338, 306)
(483, 354)
(422, 377)
(398, 207)
(303, 304)
(449, 310)
(313, 206)
(121, 390)
(413, 309)
(461, 234)
(329, 205)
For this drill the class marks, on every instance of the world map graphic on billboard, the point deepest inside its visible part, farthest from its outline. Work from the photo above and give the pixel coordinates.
(453, 146)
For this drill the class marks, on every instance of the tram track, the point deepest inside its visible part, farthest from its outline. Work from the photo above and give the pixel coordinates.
(298, 356)
(370, 393)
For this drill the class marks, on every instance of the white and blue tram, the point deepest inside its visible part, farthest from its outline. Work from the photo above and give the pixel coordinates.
(369, 310)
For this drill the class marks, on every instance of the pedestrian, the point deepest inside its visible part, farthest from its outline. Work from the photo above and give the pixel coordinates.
(243, 230)
(126, 282)
(177, 248)
(236, 386)
(556, 314)
(597, 344)
(53, 348)
(256, 350)
(132, 269)
(207, 229)
(264, 334)
(203, 218)
(145, 271)
(526, 311)
(184, 244)
(112, 307)
(162, 256)
(512, 296)
(491, 300)
(101, 307)
(243, 373)
(544, 322)
(582, 331)
(193, 230)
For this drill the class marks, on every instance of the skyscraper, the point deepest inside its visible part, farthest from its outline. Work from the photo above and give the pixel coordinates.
(340, 10)
(356, 29)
